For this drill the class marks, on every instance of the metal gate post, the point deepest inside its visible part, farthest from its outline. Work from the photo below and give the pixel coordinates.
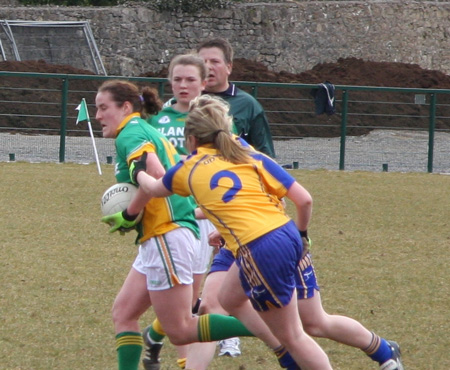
(431, 129)
(63, 122)
(343, 129)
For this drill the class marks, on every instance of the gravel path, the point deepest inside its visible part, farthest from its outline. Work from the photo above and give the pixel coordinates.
(399, 151)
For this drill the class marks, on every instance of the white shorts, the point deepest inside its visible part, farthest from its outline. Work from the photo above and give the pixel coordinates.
(203, 258)
(167, 260)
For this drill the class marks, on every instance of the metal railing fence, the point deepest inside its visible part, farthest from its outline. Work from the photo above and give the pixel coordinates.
(336, 142)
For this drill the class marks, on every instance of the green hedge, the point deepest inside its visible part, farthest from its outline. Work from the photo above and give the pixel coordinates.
(71, 2)
(189, 6)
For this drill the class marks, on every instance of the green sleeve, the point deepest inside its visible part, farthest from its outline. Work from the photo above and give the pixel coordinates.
(260, 136)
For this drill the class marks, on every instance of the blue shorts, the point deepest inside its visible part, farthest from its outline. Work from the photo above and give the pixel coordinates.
(222, 261)
(268, 267)
(305, 278)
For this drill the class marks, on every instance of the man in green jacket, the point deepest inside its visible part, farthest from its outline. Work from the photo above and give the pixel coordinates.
(249, 116)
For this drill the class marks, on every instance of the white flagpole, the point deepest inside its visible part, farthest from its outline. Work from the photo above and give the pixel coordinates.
(84, 115)
(95, 148)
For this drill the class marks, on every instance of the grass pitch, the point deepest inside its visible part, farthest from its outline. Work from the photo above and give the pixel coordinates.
(380, 244)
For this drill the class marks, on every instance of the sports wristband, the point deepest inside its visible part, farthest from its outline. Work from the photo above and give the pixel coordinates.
(127, 216)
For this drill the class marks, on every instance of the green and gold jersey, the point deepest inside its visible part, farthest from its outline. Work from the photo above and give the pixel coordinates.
(135, 136)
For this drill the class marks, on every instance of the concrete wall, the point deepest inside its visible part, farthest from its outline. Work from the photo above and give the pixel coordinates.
(290, 36)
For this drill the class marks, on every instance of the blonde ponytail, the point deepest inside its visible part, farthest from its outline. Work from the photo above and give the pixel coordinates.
(209, 122)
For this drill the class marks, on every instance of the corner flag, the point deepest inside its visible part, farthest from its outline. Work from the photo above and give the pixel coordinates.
(82, 112)
(84, 116)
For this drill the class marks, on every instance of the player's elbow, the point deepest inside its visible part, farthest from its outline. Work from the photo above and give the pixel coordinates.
(299, 195)
(307, 200)
(158, 173)
(303, 199)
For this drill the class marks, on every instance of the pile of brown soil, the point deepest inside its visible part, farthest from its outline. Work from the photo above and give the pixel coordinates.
(41, 66)
(288, 109)
(349, 71)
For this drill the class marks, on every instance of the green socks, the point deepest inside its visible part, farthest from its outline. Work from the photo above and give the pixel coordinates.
(156, 332)
(129, 348)
(213, 327)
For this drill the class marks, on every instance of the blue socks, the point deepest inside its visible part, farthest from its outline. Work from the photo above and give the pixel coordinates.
(379, 349)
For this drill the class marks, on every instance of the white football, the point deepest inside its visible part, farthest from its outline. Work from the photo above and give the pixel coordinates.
(117, 197)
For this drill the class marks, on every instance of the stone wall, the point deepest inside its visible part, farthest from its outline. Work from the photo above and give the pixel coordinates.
(290, 36)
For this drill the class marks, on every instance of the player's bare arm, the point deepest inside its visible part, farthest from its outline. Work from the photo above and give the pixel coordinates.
(151, 186)
(156, 170)
(303, 204)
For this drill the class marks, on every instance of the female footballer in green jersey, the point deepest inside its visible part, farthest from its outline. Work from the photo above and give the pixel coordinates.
(161, 275)
(187, 76)
(239, 191)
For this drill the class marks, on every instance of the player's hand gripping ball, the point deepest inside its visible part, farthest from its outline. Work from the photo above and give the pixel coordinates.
(114, 203)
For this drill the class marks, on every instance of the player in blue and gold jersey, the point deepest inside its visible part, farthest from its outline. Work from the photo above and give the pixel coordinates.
(187, 76)
(239, 191)
(315, 320)
(161, 275)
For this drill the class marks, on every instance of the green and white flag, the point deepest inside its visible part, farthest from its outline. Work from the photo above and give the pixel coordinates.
(82, 112)
(84, 116)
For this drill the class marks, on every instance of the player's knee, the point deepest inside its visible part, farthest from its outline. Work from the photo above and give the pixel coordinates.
(177, 338)
(117, 318)
(115, 313)
(209, 306)
(120, 314)
(313, 328)
(230, 306)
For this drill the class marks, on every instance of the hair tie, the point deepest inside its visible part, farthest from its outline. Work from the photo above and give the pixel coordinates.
(217, 132)
(141, 98)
